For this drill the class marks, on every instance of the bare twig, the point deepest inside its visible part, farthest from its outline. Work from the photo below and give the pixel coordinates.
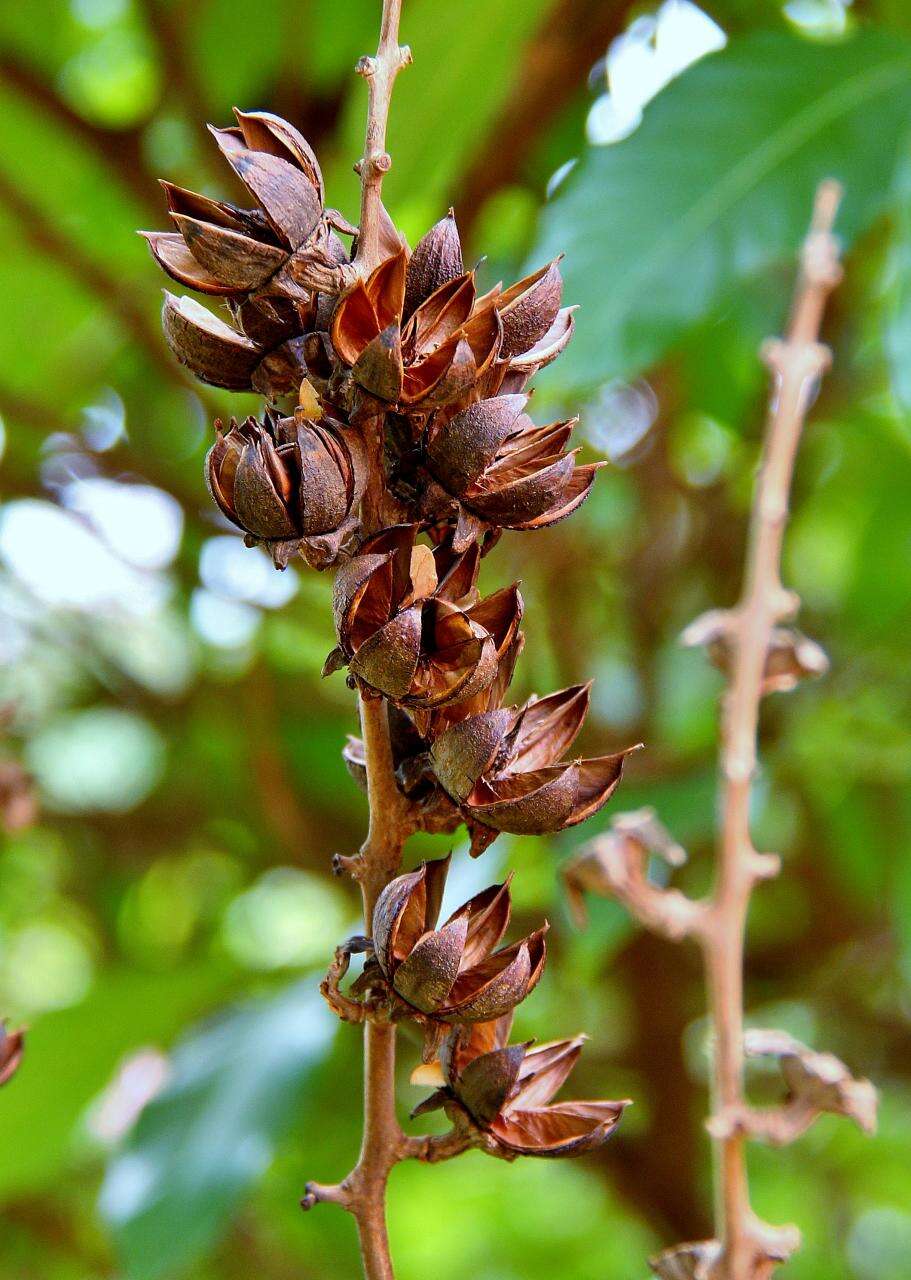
(380, 73)
(797, 363)
(817, 1084)
(758, 656)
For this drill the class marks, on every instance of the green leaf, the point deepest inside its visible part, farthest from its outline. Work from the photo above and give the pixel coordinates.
(211, 1133)
(71, 1055)
(716, 186)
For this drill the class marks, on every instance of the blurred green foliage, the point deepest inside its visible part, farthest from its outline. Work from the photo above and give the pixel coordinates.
(164, 920)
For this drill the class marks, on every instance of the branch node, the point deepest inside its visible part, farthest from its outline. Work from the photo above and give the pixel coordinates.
(319, 1193)
(345, 864)
(763, 866)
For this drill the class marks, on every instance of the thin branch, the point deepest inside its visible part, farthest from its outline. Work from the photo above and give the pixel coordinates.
(380, 73)
(383, 1143)
(797, 363)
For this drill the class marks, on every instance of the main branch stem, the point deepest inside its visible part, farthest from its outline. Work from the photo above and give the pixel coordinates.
(383, 1144)
(796, 363)
(380, 73)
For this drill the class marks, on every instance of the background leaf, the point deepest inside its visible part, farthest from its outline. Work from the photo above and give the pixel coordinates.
(714, 188)
(213, 1130)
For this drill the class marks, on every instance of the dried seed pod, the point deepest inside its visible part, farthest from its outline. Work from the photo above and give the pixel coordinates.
(694, 1260)
(699, 1259)
(416, 334)
(436, 260)
(410, 625)
(291, 483)
(269, 262)
(506, 1091)
(503, 470)
(452, 973)
(529, 308)
(504, 766)
(816, 1082)
(222, 249)
(12, 1047)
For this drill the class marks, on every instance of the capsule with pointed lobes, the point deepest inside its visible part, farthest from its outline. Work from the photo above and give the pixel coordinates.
(411, 626)
(453, 973)
(291, 483)
(268, 263)
(505, 767)
(417, 334)
(503, 470)
(506, 1091)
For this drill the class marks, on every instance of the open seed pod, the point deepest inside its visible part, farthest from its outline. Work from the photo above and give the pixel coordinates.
(411, 627)
(222, 249)
(506, 1091)
(505, 768)
(416, 334)
(267, 262)
(271, 347)
(454, 973)
(503, 470)
(291, 483)
(12, 1047)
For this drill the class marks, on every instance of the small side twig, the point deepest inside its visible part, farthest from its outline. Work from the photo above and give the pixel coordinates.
(797, 363)
(818, 1084)
(380, 73)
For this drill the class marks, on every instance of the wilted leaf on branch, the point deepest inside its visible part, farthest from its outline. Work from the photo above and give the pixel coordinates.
(791, 656)
(615, 865)
(818, 1081)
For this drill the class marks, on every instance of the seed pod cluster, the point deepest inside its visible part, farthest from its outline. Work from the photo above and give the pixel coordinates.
(395, 446)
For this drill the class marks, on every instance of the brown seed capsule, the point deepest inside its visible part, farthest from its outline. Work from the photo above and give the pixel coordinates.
(12, 1047)
(268, 262)
(436, 260)
(410, 624)
(506, 1091)
(529, 308)
(416, 334)
(454, 973)
(220, 248)
(790, 657)
(291, 483)
(504, 470)
(504, 766)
